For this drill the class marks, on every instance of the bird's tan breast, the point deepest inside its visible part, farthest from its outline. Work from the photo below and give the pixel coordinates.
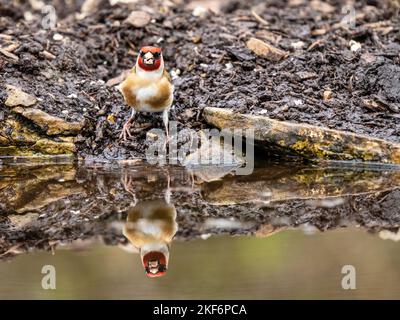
(146, 94)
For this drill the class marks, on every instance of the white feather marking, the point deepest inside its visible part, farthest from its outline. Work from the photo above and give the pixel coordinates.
(147, 92)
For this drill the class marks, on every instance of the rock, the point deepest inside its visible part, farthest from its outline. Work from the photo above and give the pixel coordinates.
(327, 95)
(199, 11)
(226, 224)
(17, 97)
(232, 191)
(212, 161)
(322, 7)
(50, 124)
(50, 147)
(268, 230)
(18, 139)
(9, 54)
(282, 183)
(138, 19)
(298, 45)
(20, 221)
(58, 37)
(390, 235)
(354, 46)
(308, 141)
(13, 132)
(114, 2)
(266, 50)
(41, 186)
(90, 6)
(306, 75)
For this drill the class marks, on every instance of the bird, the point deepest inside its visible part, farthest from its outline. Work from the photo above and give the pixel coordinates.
(150, 227)
(147, 88)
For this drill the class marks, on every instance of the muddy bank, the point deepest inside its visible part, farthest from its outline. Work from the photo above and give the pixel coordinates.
(44, 206)
(321, 73)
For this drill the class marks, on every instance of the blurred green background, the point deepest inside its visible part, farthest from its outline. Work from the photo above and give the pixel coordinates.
(288, 265)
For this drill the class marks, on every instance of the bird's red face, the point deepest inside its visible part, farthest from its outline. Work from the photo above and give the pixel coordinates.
(150, 58)
(155, 264)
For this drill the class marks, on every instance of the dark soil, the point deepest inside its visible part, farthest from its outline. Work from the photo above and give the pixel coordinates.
(216, 68)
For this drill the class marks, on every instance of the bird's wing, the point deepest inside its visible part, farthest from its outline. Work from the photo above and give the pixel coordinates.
(166, 75)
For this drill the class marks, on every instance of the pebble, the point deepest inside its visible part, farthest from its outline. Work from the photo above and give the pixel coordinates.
(175, 73)
(57, 37)
(138, 19)
(298, 45)
(199, 12)
(354, 45)
(17, 97)
(327, 95)
(228, 66)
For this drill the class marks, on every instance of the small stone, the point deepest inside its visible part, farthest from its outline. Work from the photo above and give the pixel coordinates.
(266, 50)
(196, 39)
(318, 32)
(306, 75)
(199, 11)
(322, 7)
(327, 95)
(28, 16)
(138, 19)
(228, 66)
(298, 45)
(354, 45)
(295, 3)
(175, 73)
(58, 37)
(16, 97)
(90, 6)
(50, 124)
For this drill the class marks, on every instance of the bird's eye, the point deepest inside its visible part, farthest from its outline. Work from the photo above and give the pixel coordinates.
(142, 54)
(156, 55)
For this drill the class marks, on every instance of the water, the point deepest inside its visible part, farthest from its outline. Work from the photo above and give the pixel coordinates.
(282, 232)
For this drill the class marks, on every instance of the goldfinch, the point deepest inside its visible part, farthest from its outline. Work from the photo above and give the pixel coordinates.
(150, 227)
(147, 88)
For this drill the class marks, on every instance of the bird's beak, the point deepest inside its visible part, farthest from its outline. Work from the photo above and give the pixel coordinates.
(148, 58)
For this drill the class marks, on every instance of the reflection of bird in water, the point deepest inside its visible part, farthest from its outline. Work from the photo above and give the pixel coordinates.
(150, 227)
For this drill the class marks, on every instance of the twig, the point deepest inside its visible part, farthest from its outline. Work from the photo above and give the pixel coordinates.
(9, 54)
(258, 18)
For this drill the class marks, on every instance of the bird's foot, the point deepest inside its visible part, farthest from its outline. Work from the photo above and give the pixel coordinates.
(127, 183)
(126, 131)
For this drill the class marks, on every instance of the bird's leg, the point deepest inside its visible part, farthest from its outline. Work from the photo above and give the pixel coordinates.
(167, 194)
(127, 126)
(192, 179)
(126, 181)
(165, 116)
